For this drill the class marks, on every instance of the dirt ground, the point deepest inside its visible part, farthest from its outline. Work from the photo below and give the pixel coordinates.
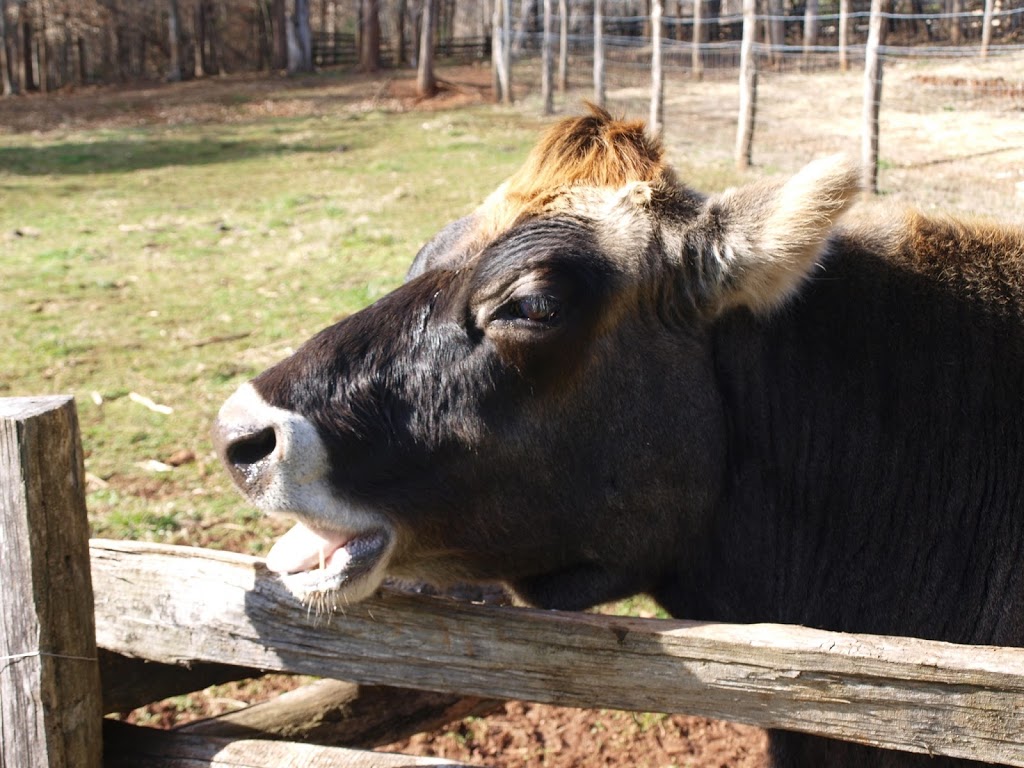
(947, 143)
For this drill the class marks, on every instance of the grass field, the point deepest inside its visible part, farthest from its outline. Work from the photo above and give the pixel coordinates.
(175, 261)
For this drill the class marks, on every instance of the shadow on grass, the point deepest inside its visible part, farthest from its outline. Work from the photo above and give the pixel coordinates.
(121, 156)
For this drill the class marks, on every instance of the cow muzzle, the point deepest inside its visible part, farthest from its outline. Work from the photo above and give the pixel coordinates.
(280, 463)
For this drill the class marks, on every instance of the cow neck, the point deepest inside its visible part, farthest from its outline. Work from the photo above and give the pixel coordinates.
(876, 405)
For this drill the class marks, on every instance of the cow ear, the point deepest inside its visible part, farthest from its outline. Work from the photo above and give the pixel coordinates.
(754, 245)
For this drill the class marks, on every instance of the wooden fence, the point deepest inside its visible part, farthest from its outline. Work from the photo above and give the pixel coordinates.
(173, 619)
(340, 49)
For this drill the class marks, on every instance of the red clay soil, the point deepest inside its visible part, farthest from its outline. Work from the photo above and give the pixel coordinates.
(540, 736)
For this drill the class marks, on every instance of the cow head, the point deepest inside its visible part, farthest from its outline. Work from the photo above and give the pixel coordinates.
(537, 404)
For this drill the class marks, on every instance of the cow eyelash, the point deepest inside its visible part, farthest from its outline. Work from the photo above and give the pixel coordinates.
(535, 308)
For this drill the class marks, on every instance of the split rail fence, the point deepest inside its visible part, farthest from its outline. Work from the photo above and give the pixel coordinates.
(88, 628)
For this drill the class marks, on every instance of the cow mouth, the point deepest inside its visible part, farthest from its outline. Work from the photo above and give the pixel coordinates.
(313, 560)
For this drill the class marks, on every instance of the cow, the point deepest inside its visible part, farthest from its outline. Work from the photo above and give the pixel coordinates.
(767, 404)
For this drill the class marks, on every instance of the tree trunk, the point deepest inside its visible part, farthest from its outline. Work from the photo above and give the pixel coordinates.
(450, 18)
(506, 50)
(955, 7)
(811, 27)
(501, 55)
(214, 42)
(305, 34)
(986, 28)
(547, 63)
(279, 16)
(844, 34)
(599, 90)
(42, 51)
(65, 70)
(265, 29)
(563, 45)
(199, 39)
(174, 41)
(6, 86)
(400, 9)
(28, 71)
(696, 60)
(83, 68)
(369, 40)
(426, 83)
(497, 77)
(525, 10)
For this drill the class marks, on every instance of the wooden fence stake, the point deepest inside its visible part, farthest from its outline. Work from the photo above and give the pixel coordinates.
(748, 89)
(872, 100)
(50, 699)
(599, 86)
(655, 123)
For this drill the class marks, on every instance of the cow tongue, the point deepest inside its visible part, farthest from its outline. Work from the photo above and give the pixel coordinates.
(303, 549)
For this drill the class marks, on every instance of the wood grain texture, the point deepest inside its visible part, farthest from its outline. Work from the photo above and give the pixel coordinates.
(130, 746)
(339, 713)
(175, 604)
(50, 706)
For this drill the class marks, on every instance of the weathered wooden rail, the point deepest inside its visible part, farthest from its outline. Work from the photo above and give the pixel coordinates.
(179, 607)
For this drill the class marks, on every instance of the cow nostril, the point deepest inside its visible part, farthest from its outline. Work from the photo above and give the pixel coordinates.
(252, 448)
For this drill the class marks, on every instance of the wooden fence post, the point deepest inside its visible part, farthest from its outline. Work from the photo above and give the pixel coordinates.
(563, 45)
(50, 698)
(844, 34)
(986, 27)
(748, 89)
(872, 100)
(696, 60)
(599, 89)
(547, 57)
(655, 123)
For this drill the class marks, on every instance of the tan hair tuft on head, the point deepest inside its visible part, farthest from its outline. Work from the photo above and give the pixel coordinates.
(593, 150)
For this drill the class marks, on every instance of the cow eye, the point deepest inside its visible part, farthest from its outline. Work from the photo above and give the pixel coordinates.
(536, 308)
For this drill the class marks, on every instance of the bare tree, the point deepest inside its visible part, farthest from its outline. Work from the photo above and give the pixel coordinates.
(369, 37)
(173, 41)
(563, 45)
(844, 34)
(300, 42)
(5, 73)
(525, 11)
(986, 28)
(501, 54)
(399, 50)
(547, 59)
(42, 50)
(811, 26)
(426, 83)
(279, 17)
(599, 91)
(955, 7)
(696, 60)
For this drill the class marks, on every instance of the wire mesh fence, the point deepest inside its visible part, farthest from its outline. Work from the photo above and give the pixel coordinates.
(942, 105)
